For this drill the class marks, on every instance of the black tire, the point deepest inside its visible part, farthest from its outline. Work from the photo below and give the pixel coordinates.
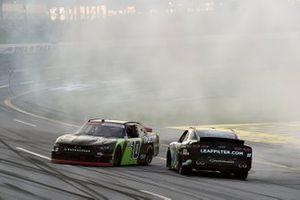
(183, 170)
(242, 175)
(149, 156)
(168, 161)
(225, 173)
(117, 157)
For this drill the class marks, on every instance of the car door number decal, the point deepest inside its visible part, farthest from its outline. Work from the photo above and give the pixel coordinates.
(135, 146)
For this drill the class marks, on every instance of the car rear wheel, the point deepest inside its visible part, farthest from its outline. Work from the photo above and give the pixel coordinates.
(183, 170)
(149, 156)
(242, 175)
(117, 156)
(168, 162)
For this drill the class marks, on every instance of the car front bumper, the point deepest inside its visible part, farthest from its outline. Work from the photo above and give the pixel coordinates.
(81, 159)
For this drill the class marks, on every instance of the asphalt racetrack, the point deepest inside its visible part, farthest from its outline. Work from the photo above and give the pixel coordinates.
(31, 118)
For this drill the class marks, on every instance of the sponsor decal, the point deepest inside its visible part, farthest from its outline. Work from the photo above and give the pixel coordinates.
(77, 150)
(150, 139)
(221, 151)
(221, 161)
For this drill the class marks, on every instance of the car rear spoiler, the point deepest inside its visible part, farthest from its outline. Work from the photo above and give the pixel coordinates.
(148, 129)
(213, 139)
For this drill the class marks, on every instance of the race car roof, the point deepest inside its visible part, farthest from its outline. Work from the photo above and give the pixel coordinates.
(213, 132)
(97, 120)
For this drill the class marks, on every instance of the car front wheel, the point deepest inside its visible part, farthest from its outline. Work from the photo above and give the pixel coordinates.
(117, 157)
(183, 170)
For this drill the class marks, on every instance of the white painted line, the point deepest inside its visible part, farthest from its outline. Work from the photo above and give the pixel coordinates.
(161, 158)
(4, 86)
(26, 82)
(154, 194)
(10, 105)
(26, 123)
(32, 153)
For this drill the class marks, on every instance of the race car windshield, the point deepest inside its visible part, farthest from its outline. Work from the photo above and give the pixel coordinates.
(217, 134)
(102, 130)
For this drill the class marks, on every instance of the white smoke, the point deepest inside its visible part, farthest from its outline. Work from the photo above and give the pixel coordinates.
(236, 64)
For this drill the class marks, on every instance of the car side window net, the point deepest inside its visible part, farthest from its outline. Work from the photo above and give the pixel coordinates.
(132, 131)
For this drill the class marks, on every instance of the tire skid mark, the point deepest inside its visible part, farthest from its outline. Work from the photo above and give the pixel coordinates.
(288, 186)
(13, 175)
(134, 196)
(23, 141)
(81, 183)
(59, 175)
(94, 183)
(118, 185)
(14, 132)
(213, 192)
(22, 166)
(130, 177)
(67, 179)
(215, 183)
(38, 170)
(15, 188)
(191, 193)
(116, 176)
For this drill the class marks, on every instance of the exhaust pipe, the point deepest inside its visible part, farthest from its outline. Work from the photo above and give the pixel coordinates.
(198, 162)
(244, 166)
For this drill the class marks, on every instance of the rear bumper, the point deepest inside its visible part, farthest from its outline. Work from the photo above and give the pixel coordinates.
(209, 164)
(85, 163)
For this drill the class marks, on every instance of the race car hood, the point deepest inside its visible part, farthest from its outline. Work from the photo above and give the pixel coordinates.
(84, 140)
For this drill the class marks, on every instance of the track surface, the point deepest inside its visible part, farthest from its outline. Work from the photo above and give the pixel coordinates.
(27, 135)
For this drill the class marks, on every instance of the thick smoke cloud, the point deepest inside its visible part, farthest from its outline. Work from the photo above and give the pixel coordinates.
(237, 64)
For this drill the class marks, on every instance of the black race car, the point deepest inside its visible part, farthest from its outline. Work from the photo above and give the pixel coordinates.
(102, 142)
(210, 149)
